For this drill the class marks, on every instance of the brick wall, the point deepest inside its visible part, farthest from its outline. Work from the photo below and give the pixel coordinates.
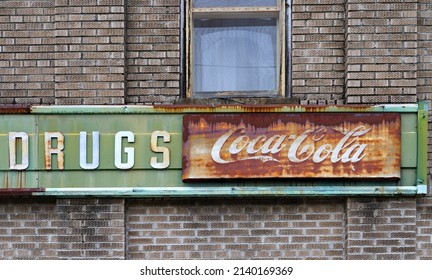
(424, 228)
(357, 228)
(128, 52)
(40, 228)
(90, 228)
(318, 51)
(381, 229)
(28, 229)
(90, 48)
(27, 52)
(153, 51)
(235, 229)
(424, 66)
(117, 51)
(381, 51)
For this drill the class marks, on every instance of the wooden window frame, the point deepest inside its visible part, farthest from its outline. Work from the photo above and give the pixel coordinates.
(239, 12)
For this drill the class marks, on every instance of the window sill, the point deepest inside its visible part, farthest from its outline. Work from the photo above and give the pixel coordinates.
(215, 101)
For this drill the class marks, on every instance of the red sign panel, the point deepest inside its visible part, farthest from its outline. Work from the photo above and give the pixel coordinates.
(277, 145)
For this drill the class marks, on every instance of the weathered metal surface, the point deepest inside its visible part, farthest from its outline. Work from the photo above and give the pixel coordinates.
(18, 144)
(14, 109)
(18, 179)
(115, 150)
(157, 168)
(320, 145)
(296, 191)
(13, 174)
(20, 191)
(57, 150)
(281, 108)
(422, 144)
(241, 108)
(408, 137)
(408, 177)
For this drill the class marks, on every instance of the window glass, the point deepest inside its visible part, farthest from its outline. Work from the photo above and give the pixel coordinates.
(235, 55)
(235, 48)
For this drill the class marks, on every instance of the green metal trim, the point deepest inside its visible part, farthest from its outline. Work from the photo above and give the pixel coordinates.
(184, 109)
(422, 139)
(302, 191)
(92, 109)
(422, 189)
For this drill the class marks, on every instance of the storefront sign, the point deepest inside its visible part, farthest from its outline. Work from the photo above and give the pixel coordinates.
(316, 145)
(124, 156)
(151, 151)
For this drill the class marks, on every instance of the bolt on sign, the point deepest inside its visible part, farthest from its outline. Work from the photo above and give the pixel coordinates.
(277, 145)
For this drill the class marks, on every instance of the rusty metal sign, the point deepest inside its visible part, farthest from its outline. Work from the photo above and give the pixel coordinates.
(163, 151)
(277, 145)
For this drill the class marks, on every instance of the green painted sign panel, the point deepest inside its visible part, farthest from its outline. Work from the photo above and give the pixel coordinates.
(137, 151)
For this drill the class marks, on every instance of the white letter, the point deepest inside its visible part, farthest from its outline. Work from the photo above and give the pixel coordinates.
(83, 150)
(292, 152)
(130, 161)
(358, 154)
(12, 150)
(215, 152)
(277, 146)
(234, 148)
(343, 144)
(317, 158)
(49, 150)
(166, 136)
(251, 147)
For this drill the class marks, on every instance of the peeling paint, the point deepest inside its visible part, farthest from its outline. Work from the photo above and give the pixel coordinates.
(319, 145)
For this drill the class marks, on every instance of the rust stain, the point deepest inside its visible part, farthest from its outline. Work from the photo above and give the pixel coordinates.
(6, 180)
(319, 145)
(50, 151)
(15, 109)
(19, 183)
(21, 179)
(273, 108)
(20, 192)
(48, 164)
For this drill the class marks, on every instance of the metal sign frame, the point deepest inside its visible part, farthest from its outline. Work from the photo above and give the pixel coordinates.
(158, 174)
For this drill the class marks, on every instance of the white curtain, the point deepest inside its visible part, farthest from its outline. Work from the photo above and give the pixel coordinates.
(234, 55)
(233, 3)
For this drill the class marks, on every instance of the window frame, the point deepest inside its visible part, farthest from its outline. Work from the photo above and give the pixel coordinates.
(282, 13)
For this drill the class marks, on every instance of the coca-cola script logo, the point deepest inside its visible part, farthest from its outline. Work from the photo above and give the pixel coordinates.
(309, 145)
(291, 145)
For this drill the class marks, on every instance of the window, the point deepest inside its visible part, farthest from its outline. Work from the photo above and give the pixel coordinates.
(236, 48)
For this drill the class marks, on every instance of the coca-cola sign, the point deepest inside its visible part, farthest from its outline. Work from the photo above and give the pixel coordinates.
(277, 145)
